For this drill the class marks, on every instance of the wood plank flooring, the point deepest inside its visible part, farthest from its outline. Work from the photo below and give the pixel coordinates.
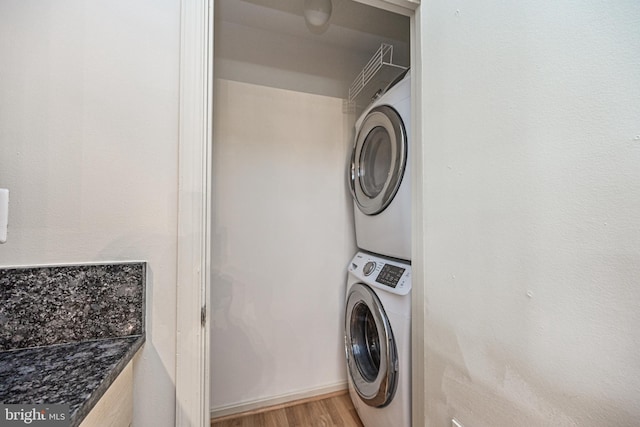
(330, 410)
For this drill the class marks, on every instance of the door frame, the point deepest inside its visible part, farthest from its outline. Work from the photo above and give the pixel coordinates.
(194, 213)
(194, 210)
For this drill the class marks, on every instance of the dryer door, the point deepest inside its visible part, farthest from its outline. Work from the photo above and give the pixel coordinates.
(378, 160)
(372, 356)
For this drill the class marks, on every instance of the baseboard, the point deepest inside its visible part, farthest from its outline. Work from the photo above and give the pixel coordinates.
(277, 400)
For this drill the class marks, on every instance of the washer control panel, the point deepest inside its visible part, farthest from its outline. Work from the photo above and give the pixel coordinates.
(389, 274)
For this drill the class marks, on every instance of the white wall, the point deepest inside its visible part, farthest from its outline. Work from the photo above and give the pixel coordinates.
(532, 194)
(282, 239)
(88, 149)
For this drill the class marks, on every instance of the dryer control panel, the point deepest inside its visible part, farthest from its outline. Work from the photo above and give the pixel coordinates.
(384, 273)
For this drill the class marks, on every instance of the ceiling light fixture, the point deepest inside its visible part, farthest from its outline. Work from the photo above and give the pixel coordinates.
(317, 14)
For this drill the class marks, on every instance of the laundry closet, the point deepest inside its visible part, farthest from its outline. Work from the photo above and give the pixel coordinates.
(282, 216)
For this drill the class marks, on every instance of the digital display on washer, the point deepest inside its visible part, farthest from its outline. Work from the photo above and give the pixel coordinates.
(390, 275)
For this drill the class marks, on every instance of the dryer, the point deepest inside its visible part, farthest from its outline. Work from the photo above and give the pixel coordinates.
(379, 176)
(378, 340)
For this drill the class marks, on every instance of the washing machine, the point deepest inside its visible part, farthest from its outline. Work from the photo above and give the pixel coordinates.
(379, 176)
(377, 340)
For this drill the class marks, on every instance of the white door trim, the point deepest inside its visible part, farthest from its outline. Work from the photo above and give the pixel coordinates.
(194, 201)
(418, 339)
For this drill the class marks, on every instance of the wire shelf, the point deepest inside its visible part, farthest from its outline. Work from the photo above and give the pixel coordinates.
(379, 72)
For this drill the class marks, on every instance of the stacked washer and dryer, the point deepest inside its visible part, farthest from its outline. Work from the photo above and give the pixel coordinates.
(378, 299)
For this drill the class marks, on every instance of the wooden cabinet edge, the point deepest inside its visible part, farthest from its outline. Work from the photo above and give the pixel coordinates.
(115, 408)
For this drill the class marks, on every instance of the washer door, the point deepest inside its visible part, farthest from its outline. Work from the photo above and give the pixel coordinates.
(378, 160)
(372, 357)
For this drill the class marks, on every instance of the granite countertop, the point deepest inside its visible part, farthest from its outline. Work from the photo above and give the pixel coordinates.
(67, 332)
(77, 374)
(42, 306)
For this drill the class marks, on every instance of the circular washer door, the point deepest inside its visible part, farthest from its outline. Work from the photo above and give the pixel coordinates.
(378, 160)
(372, 356)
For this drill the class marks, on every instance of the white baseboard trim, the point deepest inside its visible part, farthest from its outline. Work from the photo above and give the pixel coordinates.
(276, 400)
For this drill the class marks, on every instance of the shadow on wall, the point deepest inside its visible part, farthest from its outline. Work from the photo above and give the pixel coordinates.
(515, 394)
(241, 356)
(154, 367)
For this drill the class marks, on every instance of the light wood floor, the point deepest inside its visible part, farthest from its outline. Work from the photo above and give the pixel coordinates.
(329, 410)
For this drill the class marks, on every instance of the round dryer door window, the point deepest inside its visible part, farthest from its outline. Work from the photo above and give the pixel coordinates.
(371, 351)
(378, 160)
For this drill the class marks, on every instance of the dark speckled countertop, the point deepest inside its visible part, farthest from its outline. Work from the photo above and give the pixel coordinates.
(67, 332)
(77, 374)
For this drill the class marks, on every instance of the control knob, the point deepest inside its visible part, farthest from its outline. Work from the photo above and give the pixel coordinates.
(368, 268)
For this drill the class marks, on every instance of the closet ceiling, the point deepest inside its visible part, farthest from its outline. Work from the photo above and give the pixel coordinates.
(354, 26)
(267, 42)
(348, 17)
